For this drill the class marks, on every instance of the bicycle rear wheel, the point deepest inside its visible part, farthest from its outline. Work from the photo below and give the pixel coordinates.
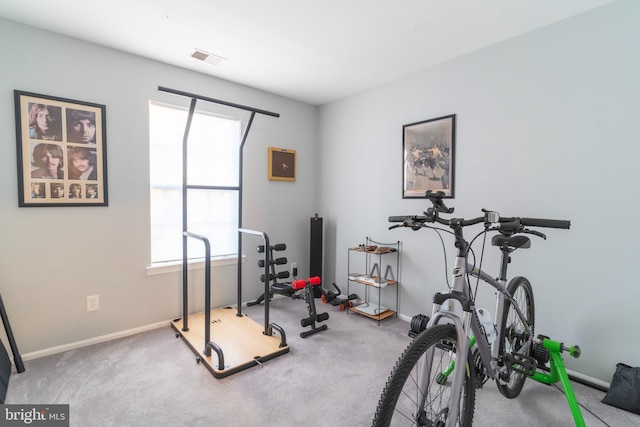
(513, 331)
(405, 402)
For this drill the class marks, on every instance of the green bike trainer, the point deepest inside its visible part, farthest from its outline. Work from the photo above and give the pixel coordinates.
(550, 352)
(557, 372)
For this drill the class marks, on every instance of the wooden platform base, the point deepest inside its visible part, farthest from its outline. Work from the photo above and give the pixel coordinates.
(241, 339)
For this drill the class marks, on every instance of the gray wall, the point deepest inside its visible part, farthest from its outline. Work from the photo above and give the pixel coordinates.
(52, 258)
(547, 126)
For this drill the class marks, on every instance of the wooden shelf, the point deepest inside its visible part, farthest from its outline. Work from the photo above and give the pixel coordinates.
(381, 316)
(377, 250)
(364, 282)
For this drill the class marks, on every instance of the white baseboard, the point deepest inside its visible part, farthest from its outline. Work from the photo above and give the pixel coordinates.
(587, 379)
(96, 340)
(405, 318)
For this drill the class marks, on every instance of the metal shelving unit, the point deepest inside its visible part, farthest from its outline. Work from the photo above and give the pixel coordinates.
(377, 277)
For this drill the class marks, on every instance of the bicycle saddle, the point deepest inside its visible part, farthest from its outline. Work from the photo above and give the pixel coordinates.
(516, 242)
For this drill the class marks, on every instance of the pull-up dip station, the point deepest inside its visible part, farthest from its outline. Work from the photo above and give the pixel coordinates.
(238, 341)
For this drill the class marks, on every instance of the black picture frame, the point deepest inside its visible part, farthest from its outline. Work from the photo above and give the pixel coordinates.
(428, 153)
(61, 151)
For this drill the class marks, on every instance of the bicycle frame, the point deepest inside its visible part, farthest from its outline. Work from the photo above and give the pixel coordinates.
(468, 328)
(508, 356)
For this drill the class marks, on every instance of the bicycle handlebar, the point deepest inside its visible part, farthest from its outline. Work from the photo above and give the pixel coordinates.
(547, 223)
(418, 218)
(502, 222)
(490, 219)
(536, 222)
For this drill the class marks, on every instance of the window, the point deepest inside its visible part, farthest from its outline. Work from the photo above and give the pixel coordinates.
(212, 161)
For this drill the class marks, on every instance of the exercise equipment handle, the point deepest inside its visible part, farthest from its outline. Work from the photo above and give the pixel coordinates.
(315, 280)
(299, 284)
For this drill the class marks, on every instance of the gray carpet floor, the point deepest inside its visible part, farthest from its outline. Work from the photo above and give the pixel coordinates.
(333, 378)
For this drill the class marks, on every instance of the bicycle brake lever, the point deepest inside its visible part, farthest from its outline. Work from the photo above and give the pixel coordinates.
(410, 224)
(413, 224)
(535, 233)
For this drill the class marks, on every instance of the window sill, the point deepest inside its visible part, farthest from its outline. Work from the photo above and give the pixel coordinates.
(196, 264)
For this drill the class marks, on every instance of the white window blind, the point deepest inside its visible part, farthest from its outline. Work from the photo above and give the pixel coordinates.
(212, 161)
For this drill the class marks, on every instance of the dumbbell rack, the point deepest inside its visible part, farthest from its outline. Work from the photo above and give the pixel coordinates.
(299, 289)
(283, 288)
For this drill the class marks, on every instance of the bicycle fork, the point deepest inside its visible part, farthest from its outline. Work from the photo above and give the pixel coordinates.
(457, 383)
(460, 294)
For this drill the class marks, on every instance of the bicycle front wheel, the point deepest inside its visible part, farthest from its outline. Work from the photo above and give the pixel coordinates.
(514, 333)
(417, 396)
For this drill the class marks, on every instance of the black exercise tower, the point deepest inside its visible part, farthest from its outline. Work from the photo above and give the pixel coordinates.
(5, 362)
(221, 370)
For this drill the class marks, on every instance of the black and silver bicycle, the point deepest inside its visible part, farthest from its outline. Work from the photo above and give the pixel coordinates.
(435, 379)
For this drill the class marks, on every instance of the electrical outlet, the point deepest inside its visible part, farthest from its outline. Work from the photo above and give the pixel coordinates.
(294, 269)
(93, 303)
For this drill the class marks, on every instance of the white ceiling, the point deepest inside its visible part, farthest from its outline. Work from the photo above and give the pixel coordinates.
(315, 52)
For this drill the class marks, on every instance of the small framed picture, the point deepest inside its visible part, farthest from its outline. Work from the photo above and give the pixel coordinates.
(428, 149)
(282, 164)
(61, 151)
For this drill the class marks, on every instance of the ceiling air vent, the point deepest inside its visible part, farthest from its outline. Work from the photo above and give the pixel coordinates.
(207, 57)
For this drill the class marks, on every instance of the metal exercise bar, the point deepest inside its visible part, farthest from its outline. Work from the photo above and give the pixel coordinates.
(217, 101)
(207, 289)
(240, 182)
(185, 186)
(212, 187)
(17, 359)
(185, 259)
(267, 263)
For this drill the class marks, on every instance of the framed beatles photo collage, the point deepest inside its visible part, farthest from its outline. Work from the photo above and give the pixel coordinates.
(61, 151)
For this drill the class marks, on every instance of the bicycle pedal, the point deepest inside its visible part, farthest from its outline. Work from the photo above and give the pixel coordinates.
(521, 363)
